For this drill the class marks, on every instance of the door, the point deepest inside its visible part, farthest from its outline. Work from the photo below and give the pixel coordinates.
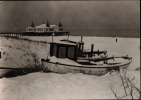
(62, 52)
(71, 52)
(55, 50)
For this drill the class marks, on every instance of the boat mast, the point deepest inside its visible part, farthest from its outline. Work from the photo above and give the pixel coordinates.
(52, 37)
(81, 38)
(68, 36)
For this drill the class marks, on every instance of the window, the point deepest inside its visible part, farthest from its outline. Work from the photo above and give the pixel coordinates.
(60, 29)
(54, 50)
(71, 52)
(62, 52)
(39, 29)
(51, 29)
(30, 29)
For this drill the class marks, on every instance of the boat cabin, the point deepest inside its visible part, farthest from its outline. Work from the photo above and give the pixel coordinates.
(66, 50)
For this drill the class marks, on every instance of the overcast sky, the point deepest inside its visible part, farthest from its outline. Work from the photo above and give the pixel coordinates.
(79, 17)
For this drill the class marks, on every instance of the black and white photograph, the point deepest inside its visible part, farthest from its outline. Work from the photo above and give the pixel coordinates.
(70, 49)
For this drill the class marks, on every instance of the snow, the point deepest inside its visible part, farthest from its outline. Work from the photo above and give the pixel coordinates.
(63, 42)
(41, 26)
(63, 61)
(44, 26)
(42, 86)
(71, 62)
(123, 47)
(23, 52)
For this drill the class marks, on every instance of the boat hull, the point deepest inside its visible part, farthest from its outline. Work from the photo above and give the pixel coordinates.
(91, 70)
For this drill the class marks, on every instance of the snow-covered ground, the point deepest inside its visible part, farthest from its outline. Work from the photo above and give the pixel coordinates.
(123, 47)
(16, 53)
(42, 86)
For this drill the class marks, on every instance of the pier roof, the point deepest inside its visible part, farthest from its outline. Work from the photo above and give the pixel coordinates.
(44, 26)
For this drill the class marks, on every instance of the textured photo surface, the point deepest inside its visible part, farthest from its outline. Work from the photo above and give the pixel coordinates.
(70, 50)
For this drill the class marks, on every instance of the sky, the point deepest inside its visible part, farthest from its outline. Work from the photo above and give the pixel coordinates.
(100, 18)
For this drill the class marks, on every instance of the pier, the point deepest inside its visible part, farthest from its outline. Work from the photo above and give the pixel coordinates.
(14, 34)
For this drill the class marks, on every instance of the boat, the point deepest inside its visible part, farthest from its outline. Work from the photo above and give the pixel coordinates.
(68, 56)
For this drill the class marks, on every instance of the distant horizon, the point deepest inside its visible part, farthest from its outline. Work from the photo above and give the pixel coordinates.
(99, 33)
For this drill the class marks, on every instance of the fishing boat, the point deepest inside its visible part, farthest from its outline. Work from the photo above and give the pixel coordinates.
(67, 56)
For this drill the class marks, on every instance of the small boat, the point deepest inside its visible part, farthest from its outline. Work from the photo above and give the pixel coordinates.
(69, 57)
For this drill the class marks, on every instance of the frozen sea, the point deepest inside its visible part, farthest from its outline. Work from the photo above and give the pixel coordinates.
(42, 86)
